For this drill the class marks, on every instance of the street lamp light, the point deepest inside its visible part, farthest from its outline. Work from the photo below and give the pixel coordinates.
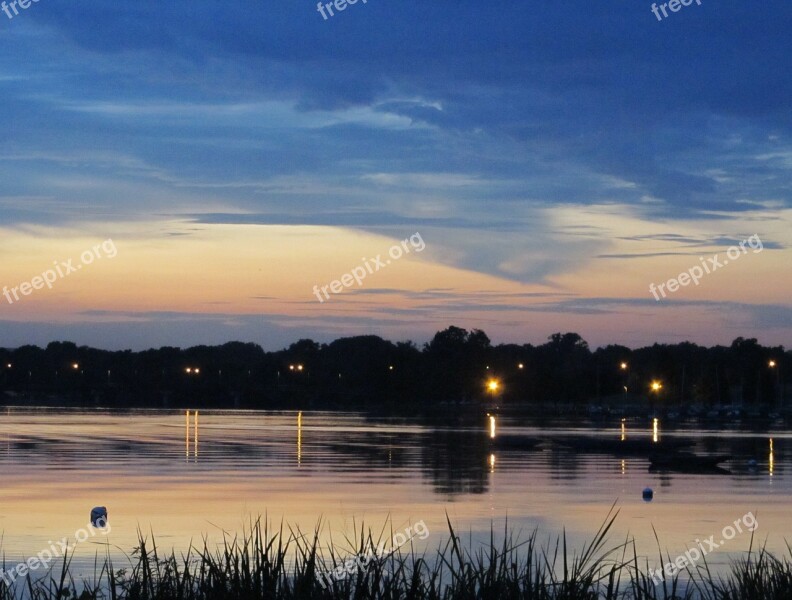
(655, 387)
(75, 366)
(493, 385)
(779, 390)
(624, 366)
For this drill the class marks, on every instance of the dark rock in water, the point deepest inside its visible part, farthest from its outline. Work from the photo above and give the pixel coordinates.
(99, 517)
(687, 462)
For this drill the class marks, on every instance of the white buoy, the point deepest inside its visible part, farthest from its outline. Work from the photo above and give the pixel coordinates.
(99, 517)
(648, 494)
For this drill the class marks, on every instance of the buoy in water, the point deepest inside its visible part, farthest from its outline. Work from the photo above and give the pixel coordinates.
(99, 516)
(648, 494)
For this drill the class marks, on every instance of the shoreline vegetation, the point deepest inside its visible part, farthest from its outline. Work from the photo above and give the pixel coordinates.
(284, 563)
(456, 368)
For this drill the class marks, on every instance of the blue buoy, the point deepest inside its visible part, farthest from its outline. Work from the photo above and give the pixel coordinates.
(648, 494)
(99, 517)
(752, 464)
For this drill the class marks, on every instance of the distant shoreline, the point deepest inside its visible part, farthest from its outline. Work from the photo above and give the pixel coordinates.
(456, 370)
(470, 411)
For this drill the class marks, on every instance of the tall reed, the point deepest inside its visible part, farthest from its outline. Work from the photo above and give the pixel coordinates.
(283, 563)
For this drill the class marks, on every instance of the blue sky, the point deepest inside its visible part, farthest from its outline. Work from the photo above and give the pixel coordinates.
(537, 147)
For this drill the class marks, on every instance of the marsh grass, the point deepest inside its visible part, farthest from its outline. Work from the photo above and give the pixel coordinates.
(284, 563)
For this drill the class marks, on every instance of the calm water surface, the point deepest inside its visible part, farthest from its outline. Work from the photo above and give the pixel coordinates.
(157, 474)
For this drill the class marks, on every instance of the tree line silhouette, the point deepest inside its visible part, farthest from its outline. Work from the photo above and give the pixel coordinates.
(456, 367)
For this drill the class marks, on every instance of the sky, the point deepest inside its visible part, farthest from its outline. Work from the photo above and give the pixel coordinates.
(206, 169)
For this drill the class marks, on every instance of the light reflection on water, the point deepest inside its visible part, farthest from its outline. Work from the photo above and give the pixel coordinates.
(225, 467)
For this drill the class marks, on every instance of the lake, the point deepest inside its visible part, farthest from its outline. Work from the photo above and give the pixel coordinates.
(157, 471)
